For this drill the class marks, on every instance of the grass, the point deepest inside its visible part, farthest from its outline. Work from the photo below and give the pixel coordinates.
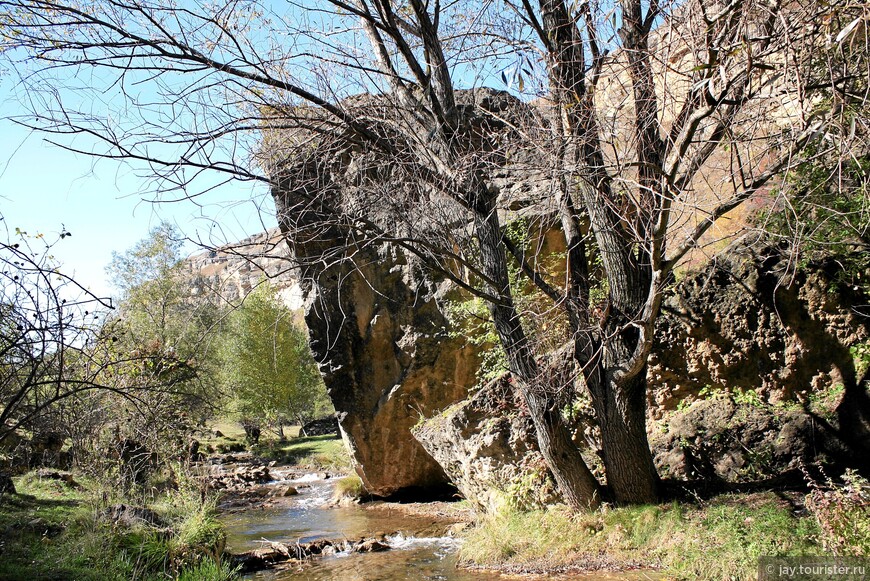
(54, 531)
(326, 453)
(317, 453)
(719, 540)
(230, 429)
(349, 488)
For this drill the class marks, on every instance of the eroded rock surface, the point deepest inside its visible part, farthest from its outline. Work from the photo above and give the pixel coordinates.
(748, 321)
(750, 325)
(719, 440)
(387, 358)
(487, 446)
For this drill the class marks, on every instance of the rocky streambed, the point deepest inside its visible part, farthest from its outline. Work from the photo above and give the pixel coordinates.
(282, 525)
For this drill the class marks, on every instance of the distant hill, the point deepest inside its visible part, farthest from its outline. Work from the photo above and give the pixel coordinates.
(233, 270)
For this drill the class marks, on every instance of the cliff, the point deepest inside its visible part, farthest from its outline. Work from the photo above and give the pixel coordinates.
(232, 271)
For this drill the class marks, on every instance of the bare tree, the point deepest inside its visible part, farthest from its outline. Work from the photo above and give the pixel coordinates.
(45, 317)
(64, 369)
(654, 120)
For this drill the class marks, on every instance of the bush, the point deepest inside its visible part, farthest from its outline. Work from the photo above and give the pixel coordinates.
(843, 515)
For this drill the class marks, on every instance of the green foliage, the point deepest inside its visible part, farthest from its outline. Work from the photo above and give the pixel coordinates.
(748, 397)
(470, 319)
(266, 364)
(861, 355)
(154, 356)
(155, 298)
(532, 486)
(209, 570)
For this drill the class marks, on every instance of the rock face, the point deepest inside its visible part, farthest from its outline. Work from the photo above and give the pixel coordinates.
(380, 337)
(387, 360)
(232, 271)
(487, 446)
(748, 325)
(719, 440)
(747, 321)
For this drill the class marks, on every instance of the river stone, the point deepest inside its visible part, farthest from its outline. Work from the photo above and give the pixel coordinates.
(487, 446)
(288, 491)
(370, 546)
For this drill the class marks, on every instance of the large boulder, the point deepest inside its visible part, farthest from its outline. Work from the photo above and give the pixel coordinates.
(720, 440)
(320, 427)
(392, 363)
(385, 353)
(750, 325)
(487, 446)
(371, 245)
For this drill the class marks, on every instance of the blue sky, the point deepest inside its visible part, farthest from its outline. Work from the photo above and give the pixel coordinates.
(44, 188)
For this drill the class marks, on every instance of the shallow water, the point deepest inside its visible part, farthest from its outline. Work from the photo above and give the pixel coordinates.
(421, 549)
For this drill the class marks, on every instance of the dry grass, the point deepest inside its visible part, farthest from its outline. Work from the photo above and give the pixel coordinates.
(719, 540)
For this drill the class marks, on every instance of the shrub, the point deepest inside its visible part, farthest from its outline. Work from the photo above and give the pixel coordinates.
(843, 514)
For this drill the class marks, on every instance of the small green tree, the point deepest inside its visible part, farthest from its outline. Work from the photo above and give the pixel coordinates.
(266, 364)
(161, 336)
(155, 294)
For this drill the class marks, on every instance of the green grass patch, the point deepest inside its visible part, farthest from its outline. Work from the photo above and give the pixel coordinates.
(51, 530)
(233, 437)
(719, 540)
(229, 429)
(314, 452)
(350, 487)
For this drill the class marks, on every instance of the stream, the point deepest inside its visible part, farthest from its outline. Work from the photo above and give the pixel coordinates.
(420, 548)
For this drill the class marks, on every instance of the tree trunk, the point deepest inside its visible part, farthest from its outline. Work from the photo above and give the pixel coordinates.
(578, 486)
(628, 463)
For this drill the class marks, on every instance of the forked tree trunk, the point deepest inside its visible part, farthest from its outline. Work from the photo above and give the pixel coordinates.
(578, 486)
